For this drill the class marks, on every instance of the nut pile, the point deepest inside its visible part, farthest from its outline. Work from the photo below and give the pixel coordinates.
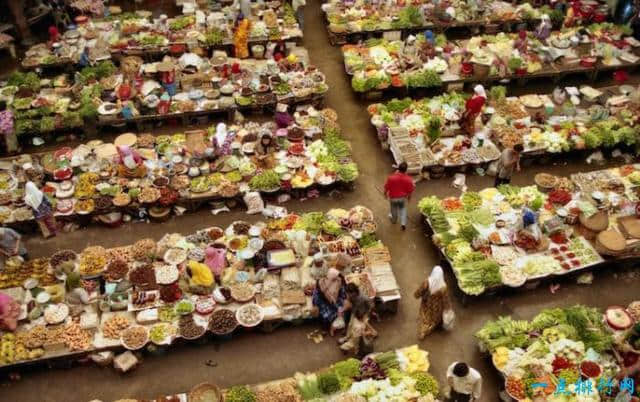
(93, 260)
(76, 338)
(144, 249)
(135, 337)
(222, 322)
(116, 270)
(113, 327)
(189, 329)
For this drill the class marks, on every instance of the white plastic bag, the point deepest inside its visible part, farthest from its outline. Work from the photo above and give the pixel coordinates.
(338, 323)
(448, 319)
(254, 202)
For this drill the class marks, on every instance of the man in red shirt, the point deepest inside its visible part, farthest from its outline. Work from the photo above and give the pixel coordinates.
(398, 189)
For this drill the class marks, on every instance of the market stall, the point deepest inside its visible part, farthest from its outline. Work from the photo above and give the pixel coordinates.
(348, 21)
(400, 374)
(510, 236)
(224, 163)
(139, 92)
(429, 133)
(137, 34)
(214, 281)
(565, 354)
(421, 62)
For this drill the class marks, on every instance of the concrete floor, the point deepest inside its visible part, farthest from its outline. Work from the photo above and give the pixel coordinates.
(257, 357)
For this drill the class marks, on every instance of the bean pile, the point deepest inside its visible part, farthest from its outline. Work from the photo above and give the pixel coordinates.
(222, 322)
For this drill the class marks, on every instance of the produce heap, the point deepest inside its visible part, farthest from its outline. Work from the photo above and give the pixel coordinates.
(131, 32)
(358, 17)
(161, 291)
(483, 236)
(561, 349)
(426, 132)
(42, 105)
(311, 152)
(379, 64)
(400, 374)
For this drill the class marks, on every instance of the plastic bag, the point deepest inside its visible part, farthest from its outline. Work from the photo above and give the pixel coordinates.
(448, 319)
(492, 170)
(254, 202)
(338, 323)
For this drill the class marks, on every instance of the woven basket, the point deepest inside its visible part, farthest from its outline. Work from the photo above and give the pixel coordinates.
(205, 392)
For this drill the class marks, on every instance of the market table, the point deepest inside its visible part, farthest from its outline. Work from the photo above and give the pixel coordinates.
(379, 67)
(488, 253)
(404, 126)
(284, 280)
(374, 370)
(184, 175)
(582, 344)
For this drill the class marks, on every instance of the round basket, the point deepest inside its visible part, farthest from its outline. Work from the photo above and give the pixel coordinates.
(205, 392)
(481, 70)
(610, 242)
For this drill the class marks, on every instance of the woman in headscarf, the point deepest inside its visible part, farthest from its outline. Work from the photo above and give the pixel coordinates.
(434, 300)
(241, 37)
(328, 298)
(283, 117)
(215, 259)
(11, 244)
(130, 162)
(42, 210)
(9, 312)
(473, 107)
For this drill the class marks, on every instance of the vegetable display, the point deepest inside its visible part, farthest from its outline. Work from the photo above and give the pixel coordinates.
(559, 347)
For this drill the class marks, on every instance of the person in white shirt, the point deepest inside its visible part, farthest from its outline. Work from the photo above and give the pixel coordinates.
(465, 383)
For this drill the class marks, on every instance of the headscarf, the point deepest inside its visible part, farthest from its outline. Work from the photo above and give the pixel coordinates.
(331, 285)
(9, 312)
(214, 259)
(436, 280)
(221, 134)
(522, 34)
(32, 196)
(125, 152)
(479, 90)
(428, 35)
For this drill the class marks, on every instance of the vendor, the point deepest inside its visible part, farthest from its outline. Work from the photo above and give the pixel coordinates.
(521, 42)
(129, 162)
(201, 277)
(530, 223)
(11, 244)
(42, 209)
(125, 91)
(328, 297)
(283, 118)
(84, 58)
(473, 107)
(410, 48)
(215, 259)
(167, 77)
(7, 129)
(544, 29)
(9, 313)
(280, 51)
(54, 34)
(241, 37)
(266, 145)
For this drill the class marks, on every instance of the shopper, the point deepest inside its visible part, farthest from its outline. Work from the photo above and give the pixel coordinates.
(7, 129)
(241, 37)
(398, 189)
(298, 8)
(328, 297)
(11, 244)
(473, 107)
(434, 301)
(465, 383)
(360, 333)
(508, 162)
(42, 210)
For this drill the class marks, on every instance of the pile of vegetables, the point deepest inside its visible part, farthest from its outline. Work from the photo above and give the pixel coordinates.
(394, 375)
(240, 393)
(578, 323)
(182, 22)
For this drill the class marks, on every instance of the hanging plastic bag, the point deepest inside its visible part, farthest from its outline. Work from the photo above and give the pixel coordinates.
(448, 319)
(338, 323)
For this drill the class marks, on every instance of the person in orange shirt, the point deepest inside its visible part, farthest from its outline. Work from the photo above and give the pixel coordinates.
(241, 37)
(398, 189)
